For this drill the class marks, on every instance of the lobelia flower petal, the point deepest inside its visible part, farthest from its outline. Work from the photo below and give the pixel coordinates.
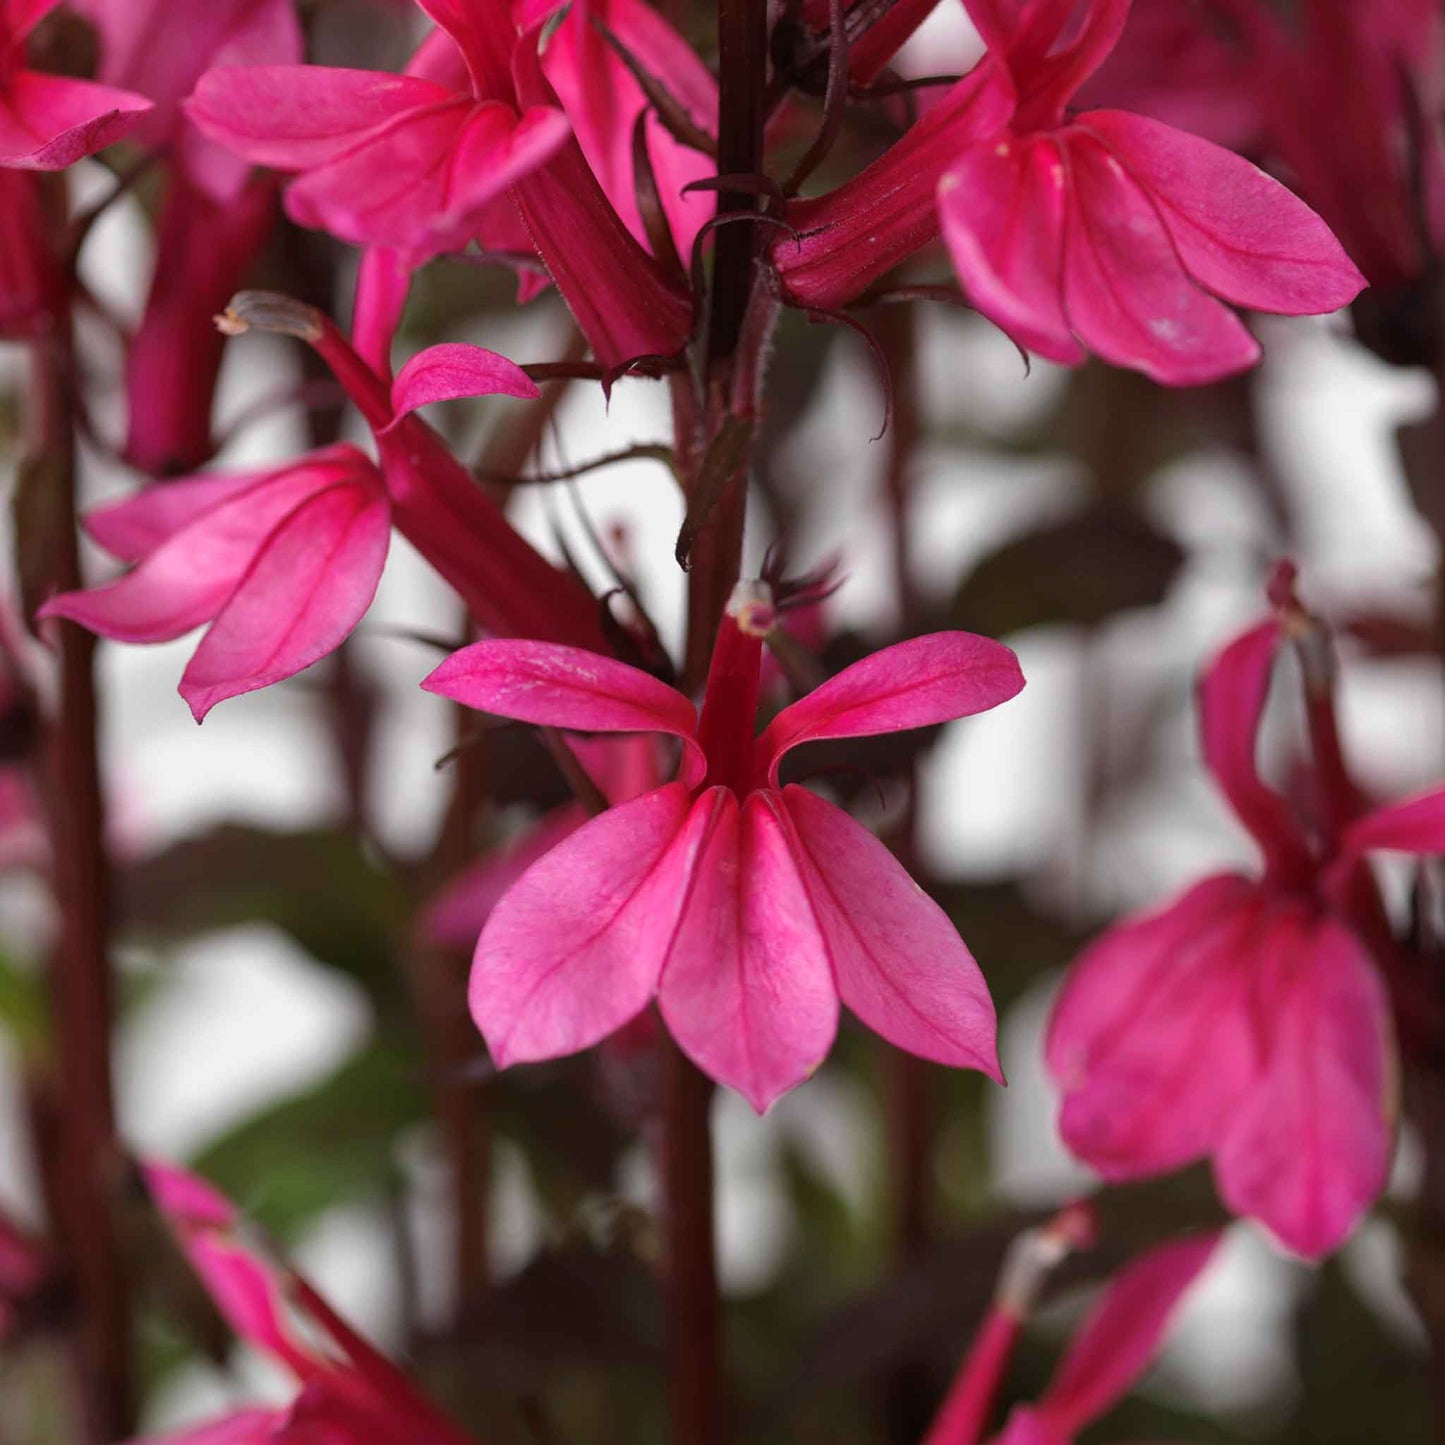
(1309, 1149)
(576, 948)
(308, 586)
(294, 117)
(19, 17)
(383, 281)
(1414, 826)
(1238, 232)
(134, 528)
(246, 1427)
(898, 962)
(452, 370)
(746, 989)
(485, 35)
(1002, 207)
(1027, 1426)
(913, 684)
(1056, 48)
(1139, 1011)
(564, 687)
(1232, 696)
(1123, 1334)
(48, 122)
(188, 578)
(1128, 297)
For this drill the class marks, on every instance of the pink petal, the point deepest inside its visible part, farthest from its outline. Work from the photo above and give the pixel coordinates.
(565, 687)
(48, 122)
(1027, 1426)
(747, 990)
(452, 370)
(486, 36)
(1238, 232)
(1002, 208)
(187, 1200)
(1414, 826)
(1049, 72)
(1128, 297)
(1151, 1039)
(576, 947)
(1309, 1150)
(914, 684)
(1232, 696)
(1119, 1340)
(294, 117)
(383, 281)
(897, 960)
(133, 528)
(19, 17)
(456, 916)
(309, 585)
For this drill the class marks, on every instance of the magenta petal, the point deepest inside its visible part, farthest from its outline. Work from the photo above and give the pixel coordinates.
(19, 17)
(1119, 1340)
(747, 990)
(1309, 1150)
(576, 947)
(309, 585)
(294, 117)
(452, 370)
(1002, 207)
(564, 687)
(246, 1427)
(1232, 696)
(913, 684)
(48, 122)
(485, 35)
(1152, 1040)
(898, 962)
(1128, 297)
(133, 528)
(1414, 826)
(1238, 232)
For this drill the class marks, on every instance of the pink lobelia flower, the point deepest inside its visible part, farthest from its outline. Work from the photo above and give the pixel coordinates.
(1113, 1348)
(350, 1394)
(48, 122)
(282, 564)
(1104, 232)
(411, 162)
(747, 908)
(1247, 1021)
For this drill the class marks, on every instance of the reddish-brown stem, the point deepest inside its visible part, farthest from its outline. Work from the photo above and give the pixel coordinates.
(80, 976)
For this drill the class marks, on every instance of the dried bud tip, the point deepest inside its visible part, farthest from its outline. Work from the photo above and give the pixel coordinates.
(270, 311)
(752, 607)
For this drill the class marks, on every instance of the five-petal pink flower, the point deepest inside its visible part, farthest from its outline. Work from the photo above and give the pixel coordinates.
(749, 909)
(1248, 1021)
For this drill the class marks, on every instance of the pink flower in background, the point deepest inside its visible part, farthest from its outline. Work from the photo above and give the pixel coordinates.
(48, 122)
(393, 160)
(1248, 1021)
(24, 1267)
(31, 279)
(747, 908)
(1104, 233)
(350, 1393)
(282, 564)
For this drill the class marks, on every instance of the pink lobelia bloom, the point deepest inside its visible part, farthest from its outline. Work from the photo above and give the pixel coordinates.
(1104, 232)
(1113, 1348)
(350, 1393)
(747, 908)
(281, 564)
(48, 122)
(409, 161)
(1247, 1021)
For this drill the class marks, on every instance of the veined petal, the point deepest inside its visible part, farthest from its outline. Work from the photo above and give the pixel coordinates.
(1309, 1149)
(307, 588)
(453, 370)
(1232, 696)
(1152, 1039)
(294, 117)
(914, 684)
(1126, 293)
(48, 122)
(1239, 232)
(133, 528)
(898, 962)
(565, 687)
(747, 990)
(1119, 1340)
(575, 949)
(1002, 207)
(1414, 826)
(486, 36)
